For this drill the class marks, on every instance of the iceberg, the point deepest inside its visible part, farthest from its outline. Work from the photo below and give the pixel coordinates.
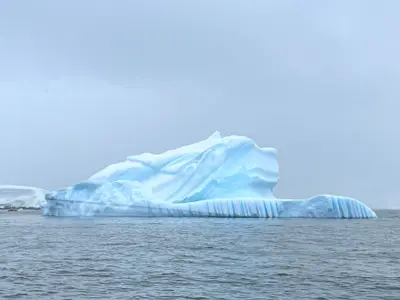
(218, 177)
(17, 196)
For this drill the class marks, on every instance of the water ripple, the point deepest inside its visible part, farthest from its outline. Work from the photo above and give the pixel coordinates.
(51, 258)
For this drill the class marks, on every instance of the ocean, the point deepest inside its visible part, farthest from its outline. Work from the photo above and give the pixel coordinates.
(204, 258)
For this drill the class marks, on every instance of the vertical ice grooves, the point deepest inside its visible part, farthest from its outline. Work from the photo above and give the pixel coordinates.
(265, 209)
(340, 208)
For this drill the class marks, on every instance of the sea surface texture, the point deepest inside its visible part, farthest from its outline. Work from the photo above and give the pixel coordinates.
(198, 258)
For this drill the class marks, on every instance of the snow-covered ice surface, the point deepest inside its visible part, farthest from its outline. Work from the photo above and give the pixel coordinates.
(218, 177)
(21, 196)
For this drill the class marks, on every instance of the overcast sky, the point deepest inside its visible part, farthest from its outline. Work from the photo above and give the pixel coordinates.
(84, 84)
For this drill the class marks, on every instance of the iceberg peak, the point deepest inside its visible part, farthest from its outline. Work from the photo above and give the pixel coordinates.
(215, 135)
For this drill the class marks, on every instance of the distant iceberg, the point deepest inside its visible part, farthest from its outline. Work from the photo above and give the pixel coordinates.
(218, 177)
(18, 196)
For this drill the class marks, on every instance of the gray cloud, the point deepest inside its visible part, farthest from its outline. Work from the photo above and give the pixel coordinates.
(85, 84)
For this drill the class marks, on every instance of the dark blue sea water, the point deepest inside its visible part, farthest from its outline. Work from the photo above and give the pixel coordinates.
(167, 258)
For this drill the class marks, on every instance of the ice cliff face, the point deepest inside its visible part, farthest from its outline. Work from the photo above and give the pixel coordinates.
(220, 176)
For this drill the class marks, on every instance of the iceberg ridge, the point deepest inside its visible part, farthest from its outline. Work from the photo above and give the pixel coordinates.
(217, 177)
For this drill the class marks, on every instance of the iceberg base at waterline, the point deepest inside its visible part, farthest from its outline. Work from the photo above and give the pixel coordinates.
(218, 177)
(323, 206)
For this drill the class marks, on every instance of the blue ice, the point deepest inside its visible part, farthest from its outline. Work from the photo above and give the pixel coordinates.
(218, 177)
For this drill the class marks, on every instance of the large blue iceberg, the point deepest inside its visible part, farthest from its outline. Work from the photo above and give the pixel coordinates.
(218, 177)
